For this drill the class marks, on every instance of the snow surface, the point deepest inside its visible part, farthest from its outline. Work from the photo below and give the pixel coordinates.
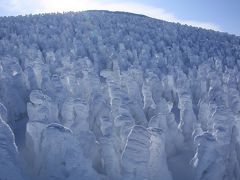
(101, 95)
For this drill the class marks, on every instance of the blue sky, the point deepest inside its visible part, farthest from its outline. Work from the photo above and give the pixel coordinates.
(221, 15)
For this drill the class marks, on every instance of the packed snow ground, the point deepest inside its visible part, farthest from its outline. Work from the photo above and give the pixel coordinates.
(117, 96)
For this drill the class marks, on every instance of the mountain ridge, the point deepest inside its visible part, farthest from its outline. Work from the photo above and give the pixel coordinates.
(115, 12)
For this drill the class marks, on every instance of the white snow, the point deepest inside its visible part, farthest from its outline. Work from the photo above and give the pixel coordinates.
(117, 96)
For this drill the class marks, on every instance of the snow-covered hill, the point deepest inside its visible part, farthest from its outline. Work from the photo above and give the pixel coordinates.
(117, 96)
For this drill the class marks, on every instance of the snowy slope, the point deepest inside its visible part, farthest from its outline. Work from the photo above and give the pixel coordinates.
(117, 96)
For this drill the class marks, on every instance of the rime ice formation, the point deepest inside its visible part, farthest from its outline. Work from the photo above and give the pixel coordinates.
(133, 165)
(115, 96)
(60, 156)
(9, 155)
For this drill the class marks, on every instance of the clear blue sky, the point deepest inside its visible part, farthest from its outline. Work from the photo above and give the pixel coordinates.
(225, 13)
(222, 15)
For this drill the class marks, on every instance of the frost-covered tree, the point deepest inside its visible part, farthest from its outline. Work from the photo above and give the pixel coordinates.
(113, 95)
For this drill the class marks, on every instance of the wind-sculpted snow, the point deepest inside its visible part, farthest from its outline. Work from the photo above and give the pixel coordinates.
(158, 159)
(117, 96)
(133, 165)
(60, 156)
(9, 155)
